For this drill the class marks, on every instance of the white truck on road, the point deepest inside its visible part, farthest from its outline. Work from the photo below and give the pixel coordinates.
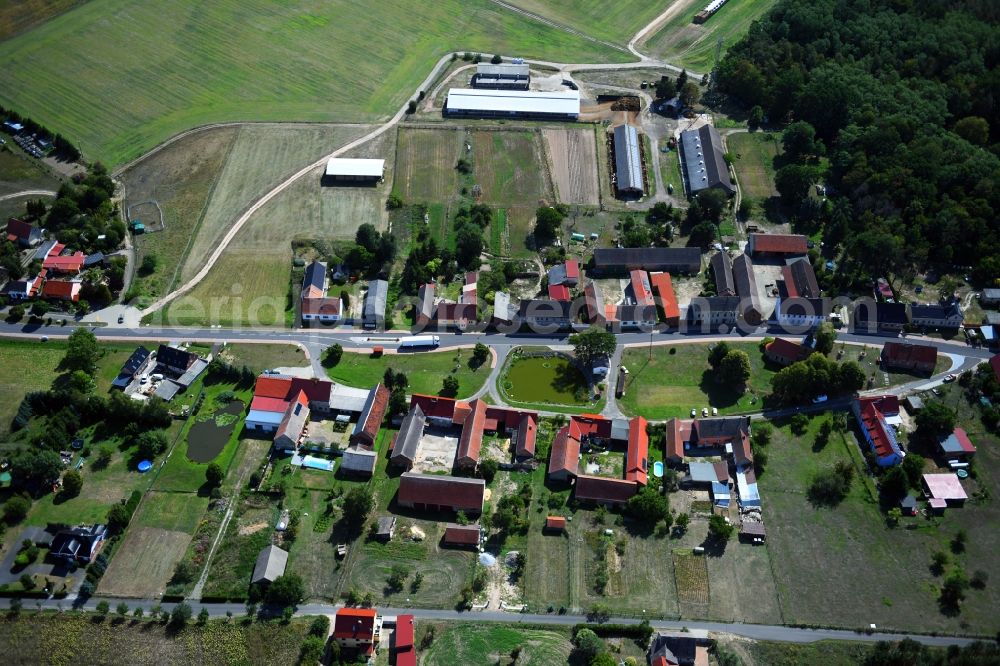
(416, 341)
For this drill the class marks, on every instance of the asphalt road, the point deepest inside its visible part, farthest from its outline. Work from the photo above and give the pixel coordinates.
(359, 339)
(752, 631)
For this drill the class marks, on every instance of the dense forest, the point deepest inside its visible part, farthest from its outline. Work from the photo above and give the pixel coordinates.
(903, 96)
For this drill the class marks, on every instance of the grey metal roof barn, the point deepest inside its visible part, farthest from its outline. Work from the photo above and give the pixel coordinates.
(270, 565)
(373, 314)
(671, 259)
(704, 165)
(404, 449)
(746, 289)
(504, 76)
(628, 160)
(563, 105)
(722, 269)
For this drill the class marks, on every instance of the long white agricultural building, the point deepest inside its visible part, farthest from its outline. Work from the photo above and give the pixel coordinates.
(341, 168)
(470, 102)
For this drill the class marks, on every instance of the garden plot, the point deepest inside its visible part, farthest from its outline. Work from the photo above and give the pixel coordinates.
(755, 155)
(425, 164)
(509, 168)
(155, 542)
(691, 576)
(573, 157)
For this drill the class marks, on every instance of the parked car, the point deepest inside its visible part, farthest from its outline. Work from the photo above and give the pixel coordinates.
(704, 411)
(694, 413)
(948, 379)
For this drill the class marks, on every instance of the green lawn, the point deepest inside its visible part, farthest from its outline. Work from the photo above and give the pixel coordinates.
(883, 575)
(828, 653)
(425, 370)
(489, 644)
(679, 379)
(63, 639)
(755, 154)
(184, 63)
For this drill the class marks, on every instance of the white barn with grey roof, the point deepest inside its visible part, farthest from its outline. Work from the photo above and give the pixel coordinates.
(472, 102)
(704, 164)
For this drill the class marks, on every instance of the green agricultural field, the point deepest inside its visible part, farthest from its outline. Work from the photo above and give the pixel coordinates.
(62, 639)
(23, 15)
(488, 644)
(691, 385)
(20, 172)
(183, 64)
(851, 542)
(755, 155)
(425, 370)
(616, 23)
(180, 178)
(694, 46)
(828, 653)
(231, 295)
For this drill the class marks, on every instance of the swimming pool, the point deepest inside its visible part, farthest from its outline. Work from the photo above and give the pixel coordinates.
(658, 469)
(317, 463)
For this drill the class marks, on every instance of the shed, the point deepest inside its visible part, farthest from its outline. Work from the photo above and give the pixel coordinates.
(908, 505)
(386, 528)
(461, 535)
(270, 565)
(342, 169)
(555, 523)
(628, 161)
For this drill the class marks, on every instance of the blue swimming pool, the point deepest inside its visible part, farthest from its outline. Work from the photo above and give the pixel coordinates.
(317, 463)
(658, 469)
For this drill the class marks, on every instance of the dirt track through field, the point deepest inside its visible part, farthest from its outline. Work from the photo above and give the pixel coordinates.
(573, 157)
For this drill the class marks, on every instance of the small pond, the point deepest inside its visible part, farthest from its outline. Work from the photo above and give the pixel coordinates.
(550, 379)
(206, 439)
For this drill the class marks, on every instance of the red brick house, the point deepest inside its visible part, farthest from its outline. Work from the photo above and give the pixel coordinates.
(604, 490)
(403, 650)
(909, 356)
(777, 244)
(357, 629)
(564, 458)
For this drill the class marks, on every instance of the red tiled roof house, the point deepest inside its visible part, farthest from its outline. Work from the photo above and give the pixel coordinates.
(357, 629)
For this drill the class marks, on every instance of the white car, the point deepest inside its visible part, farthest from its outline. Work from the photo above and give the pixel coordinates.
(694, 413)
(704, 411)
(715, 411)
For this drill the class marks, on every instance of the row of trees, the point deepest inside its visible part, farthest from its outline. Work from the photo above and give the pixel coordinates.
(815, 376)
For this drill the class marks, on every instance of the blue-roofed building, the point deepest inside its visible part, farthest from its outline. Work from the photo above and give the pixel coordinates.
(628, 161)
(746, 485)
(704, 164)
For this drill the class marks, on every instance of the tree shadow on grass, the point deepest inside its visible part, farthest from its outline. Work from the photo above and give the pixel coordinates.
(719, 395)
